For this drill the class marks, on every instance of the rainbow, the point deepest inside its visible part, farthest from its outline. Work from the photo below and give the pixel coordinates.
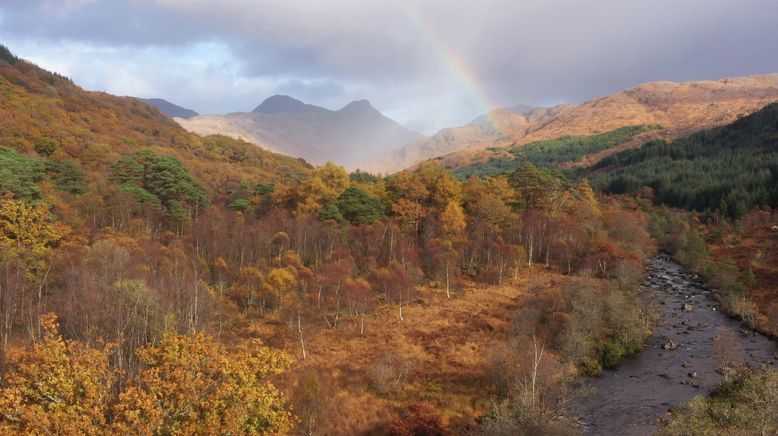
(453, 61)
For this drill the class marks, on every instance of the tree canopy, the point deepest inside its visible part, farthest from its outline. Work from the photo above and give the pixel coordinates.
(358, 207)
(161, 179)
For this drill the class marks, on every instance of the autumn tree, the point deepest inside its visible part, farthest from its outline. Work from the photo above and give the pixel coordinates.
(45, 146)
(425, 191)
(407, 196)
(359, 296)
(193, 385)
(395, 283)
(331, 279)
(309, 400)
(26, 239)
(57, 387)
(280, 281)
(247, 290)
(452, 228)
(322, 188)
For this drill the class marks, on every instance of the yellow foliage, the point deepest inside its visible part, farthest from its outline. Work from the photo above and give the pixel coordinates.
(280, 280)
(323, 187)
(57, 387)
(25, 227)
(453, 220)
(189, 385)
(192, 385)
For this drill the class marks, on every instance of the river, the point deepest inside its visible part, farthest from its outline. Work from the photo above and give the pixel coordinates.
(632, 398)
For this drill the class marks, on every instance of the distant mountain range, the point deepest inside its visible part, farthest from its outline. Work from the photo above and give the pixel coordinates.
(679, 108)
(359, 136)
(170, 109)
(351, 136)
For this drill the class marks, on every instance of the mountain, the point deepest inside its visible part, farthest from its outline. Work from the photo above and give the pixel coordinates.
(679, 108)
(283, 104)
(351, 136)
(170, 109)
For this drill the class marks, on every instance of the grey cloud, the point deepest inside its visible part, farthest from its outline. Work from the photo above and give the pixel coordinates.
(404, 54)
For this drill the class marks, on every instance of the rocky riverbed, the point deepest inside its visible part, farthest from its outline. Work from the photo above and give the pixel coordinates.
(678, 361)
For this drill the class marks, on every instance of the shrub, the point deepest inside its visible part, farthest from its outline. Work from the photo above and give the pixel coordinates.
(418, 420)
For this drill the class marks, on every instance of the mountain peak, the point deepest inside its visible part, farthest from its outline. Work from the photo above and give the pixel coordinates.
(284, 104)
(359, 107)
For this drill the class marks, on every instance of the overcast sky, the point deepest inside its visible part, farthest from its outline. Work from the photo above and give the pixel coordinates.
(428, 64)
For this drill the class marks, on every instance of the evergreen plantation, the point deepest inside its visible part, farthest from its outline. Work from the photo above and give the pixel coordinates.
(732, 169)
(550, 153)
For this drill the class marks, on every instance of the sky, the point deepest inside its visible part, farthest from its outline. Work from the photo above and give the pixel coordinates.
(427, 64)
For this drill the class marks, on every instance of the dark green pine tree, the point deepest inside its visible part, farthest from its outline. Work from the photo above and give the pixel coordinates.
(358, 207)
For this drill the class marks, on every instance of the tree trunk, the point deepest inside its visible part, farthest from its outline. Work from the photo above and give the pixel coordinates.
(448, 286)
(300, 330)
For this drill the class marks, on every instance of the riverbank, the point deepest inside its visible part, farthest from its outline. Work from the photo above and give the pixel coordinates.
(679, 360)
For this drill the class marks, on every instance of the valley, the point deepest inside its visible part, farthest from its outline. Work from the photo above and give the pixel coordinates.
(596, 268)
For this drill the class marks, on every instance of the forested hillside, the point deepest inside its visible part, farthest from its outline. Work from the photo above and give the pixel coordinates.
(731, 169)
(156, 282)
(549, 153)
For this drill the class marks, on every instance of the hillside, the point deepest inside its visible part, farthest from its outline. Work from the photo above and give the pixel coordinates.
(732, 168)
(351, 136)
(680, 108)
(170, 109)
(564, 152)
(46, 115)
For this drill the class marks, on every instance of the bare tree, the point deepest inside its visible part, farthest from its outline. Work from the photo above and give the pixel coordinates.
(726, 353)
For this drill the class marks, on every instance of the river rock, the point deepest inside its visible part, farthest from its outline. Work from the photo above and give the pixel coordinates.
(685, 364)
(686, 307)
(670, 345)
(693, 374)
